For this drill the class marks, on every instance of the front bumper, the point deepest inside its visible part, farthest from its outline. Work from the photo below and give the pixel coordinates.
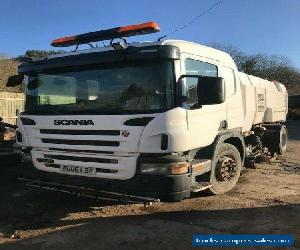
(164, 187)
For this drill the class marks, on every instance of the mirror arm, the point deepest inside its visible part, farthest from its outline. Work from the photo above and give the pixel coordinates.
(180, 98)
(196, 106)
(186, 76)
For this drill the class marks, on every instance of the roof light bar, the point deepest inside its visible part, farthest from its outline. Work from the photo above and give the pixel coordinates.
(126, 31)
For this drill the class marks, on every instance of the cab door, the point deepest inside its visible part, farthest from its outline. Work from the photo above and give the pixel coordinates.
(203, 122)
(234, 101)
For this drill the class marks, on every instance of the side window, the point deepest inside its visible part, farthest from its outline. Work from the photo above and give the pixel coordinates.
(229, 77)
(194, 67)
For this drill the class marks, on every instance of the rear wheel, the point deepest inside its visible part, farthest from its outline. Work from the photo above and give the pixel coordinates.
(281, 140)
(226, 169)
(277, 139)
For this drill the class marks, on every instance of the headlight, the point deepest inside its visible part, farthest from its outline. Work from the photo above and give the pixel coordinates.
(164, 168)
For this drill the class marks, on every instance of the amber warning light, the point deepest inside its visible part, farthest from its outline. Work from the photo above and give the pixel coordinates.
(126, 31)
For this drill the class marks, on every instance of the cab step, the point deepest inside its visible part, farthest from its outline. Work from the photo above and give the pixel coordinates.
(200, 186)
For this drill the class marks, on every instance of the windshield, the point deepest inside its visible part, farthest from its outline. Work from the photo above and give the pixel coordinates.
(125, 87)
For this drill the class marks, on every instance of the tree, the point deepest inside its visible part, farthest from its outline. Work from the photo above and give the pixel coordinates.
(238, 56)
(271, 67)
(37, 54)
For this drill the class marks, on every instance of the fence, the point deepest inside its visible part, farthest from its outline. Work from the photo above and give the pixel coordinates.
(10, 104)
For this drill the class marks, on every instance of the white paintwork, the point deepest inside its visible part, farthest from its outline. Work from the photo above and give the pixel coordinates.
(201, 124)
(186, 129)
(264, 101)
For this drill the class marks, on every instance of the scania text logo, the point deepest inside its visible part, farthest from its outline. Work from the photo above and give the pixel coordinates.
(73, 122)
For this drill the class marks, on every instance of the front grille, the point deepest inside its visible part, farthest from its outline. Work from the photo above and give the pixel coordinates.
(81, 142)
(82, 159)
(82, 151)
(79, 132)
(52, 165)
(45, 160)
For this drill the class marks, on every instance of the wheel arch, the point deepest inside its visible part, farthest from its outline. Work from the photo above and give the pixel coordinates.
(239, 144)
(231, 137)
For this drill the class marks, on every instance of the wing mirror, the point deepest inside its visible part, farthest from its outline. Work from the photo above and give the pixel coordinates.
(210, 90)
(205, 90)
(14, 80)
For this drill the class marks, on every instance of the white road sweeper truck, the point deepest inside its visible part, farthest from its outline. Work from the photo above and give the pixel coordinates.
(151, 119)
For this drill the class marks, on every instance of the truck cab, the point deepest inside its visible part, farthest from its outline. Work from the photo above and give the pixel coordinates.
(160, 119)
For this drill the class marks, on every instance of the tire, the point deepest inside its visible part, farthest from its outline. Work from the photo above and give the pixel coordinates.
(276, 140)
(226, 155)
(281, 140)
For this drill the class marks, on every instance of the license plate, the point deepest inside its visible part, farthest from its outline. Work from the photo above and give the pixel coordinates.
(78, 170)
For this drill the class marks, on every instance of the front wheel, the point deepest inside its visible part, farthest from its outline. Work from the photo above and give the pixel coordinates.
(226, 169)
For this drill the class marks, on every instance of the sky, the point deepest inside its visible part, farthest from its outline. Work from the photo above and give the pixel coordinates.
(254, 26)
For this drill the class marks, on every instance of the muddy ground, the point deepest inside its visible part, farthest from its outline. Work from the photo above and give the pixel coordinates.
(265, 201)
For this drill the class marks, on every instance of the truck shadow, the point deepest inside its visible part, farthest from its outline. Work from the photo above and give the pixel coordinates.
(163, 230)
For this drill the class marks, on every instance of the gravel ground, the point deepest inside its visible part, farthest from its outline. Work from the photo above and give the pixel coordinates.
(265, 201)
